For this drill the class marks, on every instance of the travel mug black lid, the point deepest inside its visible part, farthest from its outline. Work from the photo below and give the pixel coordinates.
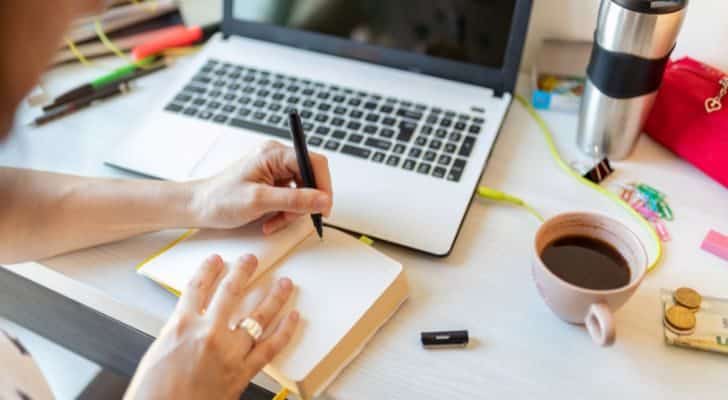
(653, 6)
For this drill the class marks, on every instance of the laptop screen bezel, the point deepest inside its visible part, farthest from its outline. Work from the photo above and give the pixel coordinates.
(499, 79)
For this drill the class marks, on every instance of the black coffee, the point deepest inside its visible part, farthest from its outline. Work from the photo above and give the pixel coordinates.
(586, 262)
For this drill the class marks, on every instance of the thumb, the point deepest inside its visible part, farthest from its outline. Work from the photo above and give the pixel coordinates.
(293, 200)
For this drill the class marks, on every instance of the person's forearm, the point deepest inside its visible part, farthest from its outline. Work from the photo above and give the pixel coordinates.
(44, 214)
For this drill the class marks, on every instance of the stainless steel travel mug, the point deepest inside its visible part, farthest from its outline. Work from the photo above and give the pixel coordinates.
(632, 44)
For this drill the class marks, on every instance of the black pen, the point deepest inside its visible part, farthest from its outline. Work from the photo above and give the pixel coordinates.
(70, 108)
(304, 162)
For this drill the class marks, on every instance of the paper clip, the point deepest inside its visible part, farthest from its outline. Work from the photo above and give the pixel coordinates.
(626, 194)
(650, 191)
(665, 210)
(662, 231)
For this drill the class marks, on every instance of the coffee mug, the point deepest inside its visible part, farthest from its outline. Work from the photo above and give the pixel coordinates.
(578, 305)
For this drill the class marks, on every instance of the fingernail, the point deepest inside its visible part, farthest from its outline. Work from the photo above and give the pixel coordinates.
(214, 259)
(321, 202)
(285, 283)
(295, 316)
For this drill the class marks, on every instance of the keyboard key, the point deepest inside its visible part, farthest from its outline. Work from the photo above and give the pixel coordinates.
(455, 137)
(393, 161)
(205, 115)
(229, 97)
(372, 118)
(245, 100)
(275, 107)
(457, 170)
(436, 110)
(275, 119)
(309, 103)
(356, 138)
(173, 107)
(411, 114)
(332, 145)
(439, 172)
(435, 144)
(182, 98)
(386, 133)
(277, 85)
(324, 106)
(450, 114)
(398, 148)
(356, 114)
(220, 119)
(305, 114)
(356, 151)
(426, 130)
(266, 129)
(323, 130)
(340, 110)
(263, 93)
(293, 100)
(370, 129)
(474, 129)
(339, 98)
(259, 104)
(441, 133)
(198, 101)
(389, 121)
(478, 121)
(424, 168)
(378, 157)
(432, 119)
(459, 126)
(314, 141)
(293, 88)
(354, 102)
(370, 105)
(380, 144)
(191, 111)
(321, 118)
(229, 108)
(429, 156)
(467, 147)
(259, 115)
(446, 122)
(323, 95)
(406, 130)
(337, 121)
(307, 127)
(278, 96)
(450, 148)
(215, 94)
(444, 159)
(353, 125)
(214, 105)
(421, 141)
(409, 165)
(386, 109)
(338, 134)
(415, 152)
(420, 106)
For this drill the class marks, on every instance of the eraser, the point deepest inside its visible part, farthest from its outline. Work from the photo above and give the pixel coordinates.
(444, 339)
(717, 244)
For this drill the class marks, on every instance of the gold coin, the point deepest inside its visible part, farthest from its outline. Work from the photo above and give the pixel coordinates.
(680, 318)
(687, 298)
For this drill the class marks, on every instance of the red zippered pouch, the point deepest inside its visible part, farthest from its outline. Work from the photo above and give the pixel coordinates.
(690, 116)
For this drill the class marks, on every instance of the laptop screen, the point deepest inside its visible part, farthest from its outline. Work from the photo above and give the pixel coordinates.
(469, 31)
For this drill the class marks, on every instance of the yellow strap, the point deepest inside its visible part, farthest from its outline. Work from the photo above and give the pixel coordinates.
(282, 394)
(77, 53)
(367, 241)
(496, 195)
(107, 42)
(565, 167)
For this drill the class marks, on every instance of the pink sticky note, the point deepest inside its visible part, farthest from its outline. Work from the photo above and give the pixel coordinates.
(717, 244)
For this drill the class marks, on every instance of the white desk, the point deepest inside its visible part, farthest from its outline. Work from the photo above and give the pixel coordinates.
(520, 349)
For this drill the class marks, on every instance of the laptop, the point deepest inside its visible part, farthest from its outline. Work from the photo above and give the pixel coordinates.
(405, 98)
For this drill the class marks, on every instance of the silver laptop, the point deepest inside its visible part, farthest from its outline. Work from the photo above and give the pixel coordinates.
(405, 98)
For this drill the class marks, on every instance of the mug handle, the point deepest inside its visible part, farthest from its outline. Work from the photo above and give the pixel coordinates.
(600, 324)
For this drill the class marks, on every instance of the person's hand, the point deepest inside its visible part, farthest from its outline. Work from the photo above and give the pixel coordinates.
(197, 355)
(262, 185)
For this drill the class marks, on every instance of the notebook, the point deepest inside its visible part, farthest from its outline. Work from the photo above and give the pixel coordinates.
(345, 291)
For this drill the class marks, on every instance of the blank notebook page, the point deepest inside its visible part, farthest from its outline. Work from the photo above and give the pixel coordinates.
(176, 266)
(337, 280)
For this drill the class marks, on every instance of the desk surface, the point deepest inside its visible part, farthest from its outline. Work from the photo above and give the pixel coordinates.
(520, 349)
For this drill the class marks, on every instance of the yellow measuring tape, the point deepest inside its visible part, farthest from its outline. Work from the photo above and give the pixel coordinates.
(496, 195)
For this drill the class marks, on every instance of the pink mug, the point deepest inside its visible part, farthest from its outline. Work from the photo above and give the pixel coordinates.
(578, 305)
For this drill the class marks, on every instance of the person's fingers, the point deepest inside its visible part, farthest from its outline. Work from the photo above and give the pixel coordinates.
(271, 305)
(279, 221)
(230, 292)
(266, 199)
(283, 164)
(199, 290)
(264, 352)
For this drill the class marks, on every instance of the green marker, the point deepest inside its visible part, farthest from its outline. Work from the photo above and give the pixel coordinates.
(90, 88)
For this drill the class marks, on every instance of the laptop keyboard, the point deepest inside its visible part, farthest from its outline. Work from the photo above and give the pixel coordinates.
(396, 132)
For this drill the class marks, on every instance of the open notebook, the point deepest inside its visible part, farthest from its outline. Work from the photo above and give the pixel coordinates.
(345, 291)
